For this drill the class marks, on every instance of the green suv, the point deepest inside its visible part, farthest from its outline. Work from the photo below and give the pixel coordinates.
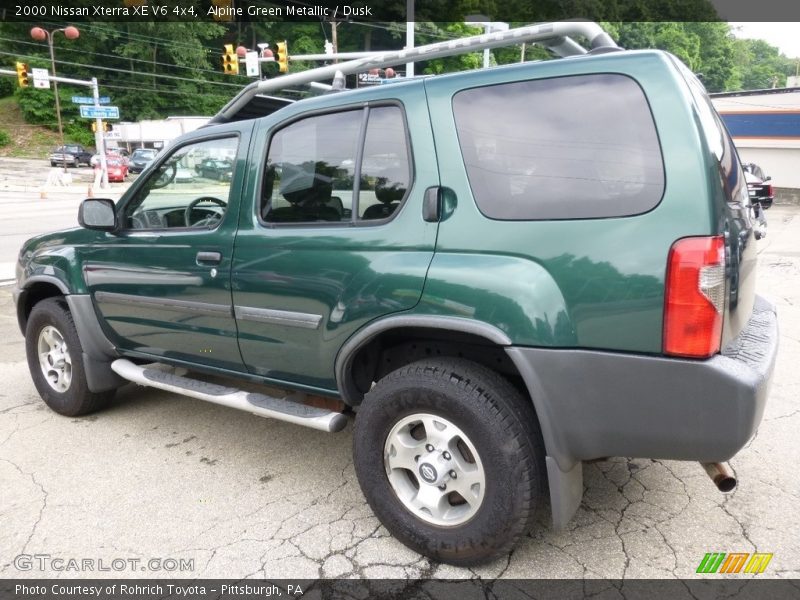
(499, 274)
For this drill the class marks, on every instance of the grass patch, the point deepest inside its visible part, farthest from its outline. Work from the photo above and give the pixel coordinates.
(25, 141)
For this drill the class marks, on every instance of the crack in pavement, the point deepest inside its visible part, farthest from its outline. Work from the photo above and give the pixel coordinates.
(44, 501)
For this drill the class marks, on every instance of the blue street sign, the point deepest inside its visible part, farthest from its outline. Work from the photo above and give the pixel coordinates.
(99, 112)
(90, 100)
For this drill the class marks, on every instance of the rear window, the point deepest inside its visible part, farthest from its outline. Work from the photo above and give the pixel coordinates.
(564, 148)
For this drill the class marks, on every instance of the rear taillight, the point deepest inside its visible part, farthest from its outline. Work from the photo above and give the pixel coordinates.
(769, 191)
(695, 297)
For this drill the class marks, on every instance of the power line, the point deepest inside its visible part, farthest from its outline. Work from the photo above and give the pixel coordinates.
(138, 73)
(163, 90)
(110, 31)
(117, 56)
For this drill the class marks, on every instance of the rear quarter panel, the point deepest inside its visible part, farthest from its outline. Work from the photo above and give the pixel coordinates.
(590, 283)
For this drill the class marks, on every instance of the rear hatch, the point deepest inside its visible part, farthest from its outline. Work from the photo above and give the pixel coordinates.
(736, 218)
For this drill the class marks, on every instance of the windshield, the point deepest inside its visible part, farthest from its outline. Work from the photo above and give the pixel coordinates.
(149, 154)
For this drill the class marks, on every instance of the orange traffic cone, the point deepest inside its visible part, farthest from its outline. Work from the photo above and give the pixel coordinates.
(90, 192)
(43, 194)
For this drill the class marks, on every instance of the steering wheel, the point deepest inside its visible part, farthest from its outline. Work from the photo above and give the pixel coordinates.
(187, 216)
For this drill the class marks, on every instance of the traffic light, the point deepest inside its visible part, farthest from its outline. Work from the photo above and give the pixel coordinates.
(22, 74)
(105, 125)
(230, 62)
(283, 57)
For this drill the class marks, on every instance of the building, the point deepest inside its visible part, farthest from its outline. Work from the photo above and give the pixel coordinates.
(151, 134)
(765, 126)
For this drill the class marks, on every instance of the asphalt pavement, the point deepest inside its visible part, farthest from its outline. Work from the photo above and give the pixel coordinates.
(206, 491)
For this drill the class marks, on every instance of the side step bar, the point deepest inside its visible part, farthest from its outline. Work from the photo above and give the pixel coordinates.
(262, 405)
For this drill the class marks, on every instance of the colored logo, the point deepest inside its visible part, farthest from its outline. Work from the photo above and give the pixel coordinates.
(734, 562)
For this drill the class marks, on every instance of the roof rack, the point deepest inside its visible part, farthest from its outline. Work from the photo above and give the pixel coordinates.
(555, 36)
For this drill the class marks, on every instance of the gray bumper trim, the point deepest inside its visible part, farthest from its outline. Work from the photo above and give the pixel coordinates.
(595, 404)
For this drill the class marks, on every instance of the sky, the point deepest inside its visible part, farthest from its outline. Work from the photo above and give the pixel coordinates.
(785, 36)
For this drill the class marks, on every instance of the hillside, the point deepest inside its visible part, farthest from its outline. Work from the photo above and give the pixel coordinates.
(27, 141)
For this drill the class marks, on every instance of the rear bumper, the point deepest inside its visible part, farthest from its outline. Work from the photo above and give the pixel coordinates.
(597, 404)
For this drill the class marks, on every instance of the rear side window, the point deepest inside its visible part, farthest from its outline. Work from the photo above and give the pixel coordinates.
(564, 148)
(313, 172)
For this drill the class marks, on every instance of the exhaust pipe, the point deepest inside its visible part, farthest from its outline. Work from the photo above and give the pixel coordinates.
(722, 476)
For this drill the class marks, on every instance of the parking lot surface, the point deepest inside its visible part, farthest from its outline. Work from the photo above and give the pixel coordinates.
(227, 494)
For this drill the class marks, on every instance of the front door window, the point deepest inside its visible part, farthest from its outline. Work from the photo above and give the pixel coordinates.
(188, 190)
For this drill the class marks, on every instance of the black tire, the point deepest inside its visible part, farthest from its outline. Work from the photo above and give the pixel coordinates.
(502, 426)
(76, 399)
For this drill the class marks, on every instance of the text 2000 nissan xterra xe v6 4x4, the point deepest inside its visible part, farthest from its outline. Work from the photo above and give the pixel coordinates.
(501, 273)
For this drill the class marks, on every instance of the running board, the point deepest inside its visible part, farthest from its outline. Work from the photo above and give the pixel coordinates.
(262, 405)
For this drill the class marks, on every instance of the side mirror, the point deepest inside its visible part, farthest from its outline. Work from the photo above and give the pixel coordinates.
(98, 213)
(767, 178)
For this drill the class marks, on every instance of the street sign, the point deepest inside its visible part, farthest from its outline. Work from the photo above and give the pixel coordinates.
(99, 112)
(251, 63)
(90, 100)
(41, 78)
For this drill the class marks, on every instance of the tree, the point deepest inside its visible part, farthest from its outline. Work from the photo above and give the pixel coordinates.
(705, 47)
(760, 66)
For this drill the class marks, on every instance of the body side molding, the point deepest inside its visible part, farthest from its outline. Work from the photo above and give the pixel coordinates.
(278, 317)
(202, 308)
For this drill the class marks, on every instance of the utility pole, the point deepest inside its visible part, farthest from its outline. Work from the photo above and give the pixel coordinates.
(409, 34)
(39, 34)
(99, 138)
(334, 38)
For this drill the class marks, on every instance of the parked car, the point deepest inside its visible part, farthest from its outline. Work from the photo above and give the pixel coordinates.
(73, 155)
(117, 169)
(184, 175)
(510, 292)
(212, 168)
(95, 160)
(141, 158)
(758, 185)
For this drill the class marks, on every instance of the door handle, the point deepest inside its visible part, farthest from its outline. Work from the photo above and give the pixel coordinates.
(431, 205)
(208, 258)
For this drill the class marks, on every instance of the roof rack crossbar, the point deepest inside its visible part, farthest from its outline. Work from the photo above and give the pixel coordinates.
(555, 36)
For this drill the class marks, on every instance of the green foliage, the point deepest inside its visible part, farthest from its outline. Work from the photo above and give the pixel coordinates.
(7, 85)
(5, 138)
(79, 133)
(722, 61)
(705, 47)
(760, 66)
(38, 105)
(460, 62)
